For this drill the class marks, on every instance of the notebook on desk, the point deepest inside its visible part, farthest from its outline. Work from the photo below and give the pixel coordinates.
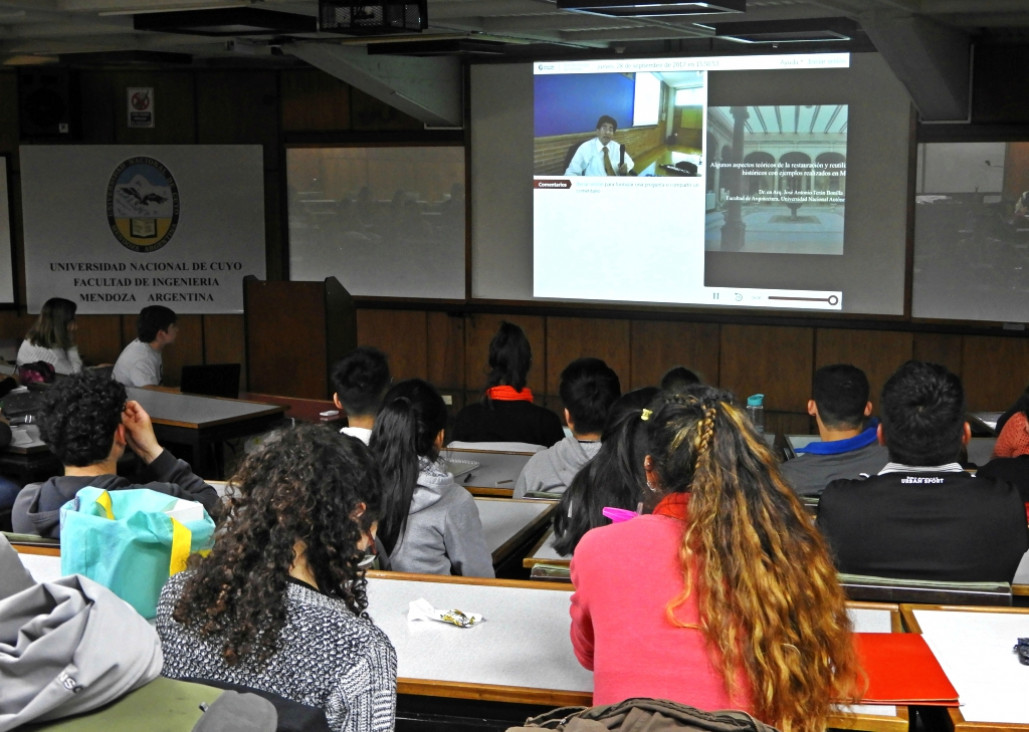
(212, 379)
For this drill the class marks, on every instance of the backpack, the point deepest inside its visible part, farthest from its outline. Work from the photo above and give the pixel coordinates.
(37, 372)
(643, 715)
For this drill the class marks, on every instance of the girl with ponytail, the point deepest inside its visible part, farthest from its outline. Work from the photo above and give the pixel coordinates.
(732, 601)
(429, 523)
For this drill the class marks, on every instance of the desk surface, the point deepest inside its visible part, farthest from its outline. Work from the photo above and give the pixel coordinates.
(197, 412)
(545, 553)
(507, 523)
(495, 474)
(306, 410)
(974, 647)
(522, 652)
(1020, 584)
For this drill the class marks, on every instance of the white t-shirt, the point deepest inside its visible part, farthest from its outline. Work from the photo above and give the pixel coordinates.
(138, 365)
(362, 433)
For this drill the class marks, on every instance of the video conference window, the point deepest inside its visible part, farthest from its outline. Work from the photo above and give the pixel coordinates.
(636, 178)
(972, 231)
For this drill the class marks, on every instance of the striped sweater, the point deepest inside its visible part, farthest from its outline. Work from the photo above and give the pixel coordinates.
(328, 658)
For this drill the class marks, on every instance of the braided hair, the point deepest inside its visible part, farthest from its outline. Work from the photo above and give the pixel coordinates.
(766, 586)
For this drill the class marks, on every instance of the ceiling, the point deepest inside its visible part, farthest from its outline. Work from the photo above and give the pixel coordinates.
(80, 31)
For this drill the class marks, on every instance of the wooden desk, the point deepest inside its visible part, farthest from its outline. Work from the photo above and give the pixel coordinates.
(198, 421)
(1020, 584)
(545, 553)
(510, 524)
(496, 473)
(522, 652)
(974, 647)
(306, 410)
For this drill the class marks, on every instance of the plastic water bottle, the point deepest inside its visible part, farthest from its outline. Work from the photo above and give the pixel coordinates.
(756, 412)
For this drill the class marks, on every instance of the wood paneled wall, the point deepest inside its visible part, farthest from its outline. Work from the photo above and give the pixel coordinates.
(194, 106)
(779, 361)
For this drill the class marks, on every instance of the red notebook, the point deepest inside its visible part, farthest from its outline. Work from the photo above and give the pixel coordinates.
(902, 670)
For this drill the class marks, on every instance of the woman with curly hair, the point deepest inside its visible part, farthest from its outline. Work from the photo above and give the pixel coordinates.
(735, 603)
(52, 338)
(279, 604)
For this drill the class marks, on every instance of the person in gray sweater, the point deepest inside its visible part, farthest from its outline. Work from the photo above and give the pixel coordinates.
(429, 523)
(588, 388)
(848, 447)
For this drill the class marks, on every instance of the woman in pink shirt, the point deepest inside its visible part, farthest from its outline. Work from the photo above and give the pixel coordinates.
(722, 595)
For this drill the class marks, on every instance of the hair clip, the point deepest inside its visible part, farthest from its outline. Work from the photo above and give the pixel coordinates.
(645, 414)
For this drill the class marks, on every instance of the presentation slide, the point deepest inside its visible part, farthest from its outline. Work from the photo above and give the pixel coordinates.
(769, 182)
(651, 172)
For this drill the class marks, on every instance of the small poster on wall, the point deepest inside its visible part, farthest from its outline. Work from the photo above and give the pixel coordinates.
(140, 106)
(117, 228)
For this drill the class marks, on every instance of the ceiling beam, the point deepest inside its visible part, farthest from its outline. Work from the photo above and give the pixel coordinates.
(428, 89)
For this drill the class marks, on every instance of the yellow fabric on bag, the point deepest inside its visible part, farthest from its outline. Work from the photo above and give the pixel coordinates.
(104, 499)
(181, 538)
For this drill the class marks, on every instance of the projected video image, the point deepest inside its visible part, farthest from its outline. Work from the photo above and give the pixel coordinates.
(785, 190)
(637, 181)
(972, 231)
(646, 123)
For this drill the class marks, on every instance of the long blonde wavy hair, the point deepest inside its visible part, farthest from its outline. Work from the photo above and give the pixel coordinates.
(767, 590)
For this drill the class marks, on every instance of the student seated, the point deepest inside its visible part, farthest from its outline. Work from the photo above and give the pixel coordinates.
(848, 447)
(614, 478)
(52, 338)
(360, 379)
(88, 424)
(923, 517)
(678, 378)
(588, 389)
(279, 604)
(429, 523)
(141, 363)
(506, 413)
(1013, 430)
(722, 595)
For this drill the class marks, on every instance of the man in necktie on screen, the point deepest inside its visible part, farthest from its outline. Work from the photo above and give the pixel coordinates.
(601, 155)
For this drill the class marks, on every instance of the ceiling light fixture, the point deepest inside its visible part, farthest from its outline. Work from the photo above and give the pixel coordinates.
(371, 19)
(647, 8)
(176, 6)
(804, 30)
(226, 22)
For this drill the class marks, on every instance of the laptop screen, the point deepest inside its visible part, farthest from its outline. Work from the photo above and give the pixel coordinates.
(213, 379)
